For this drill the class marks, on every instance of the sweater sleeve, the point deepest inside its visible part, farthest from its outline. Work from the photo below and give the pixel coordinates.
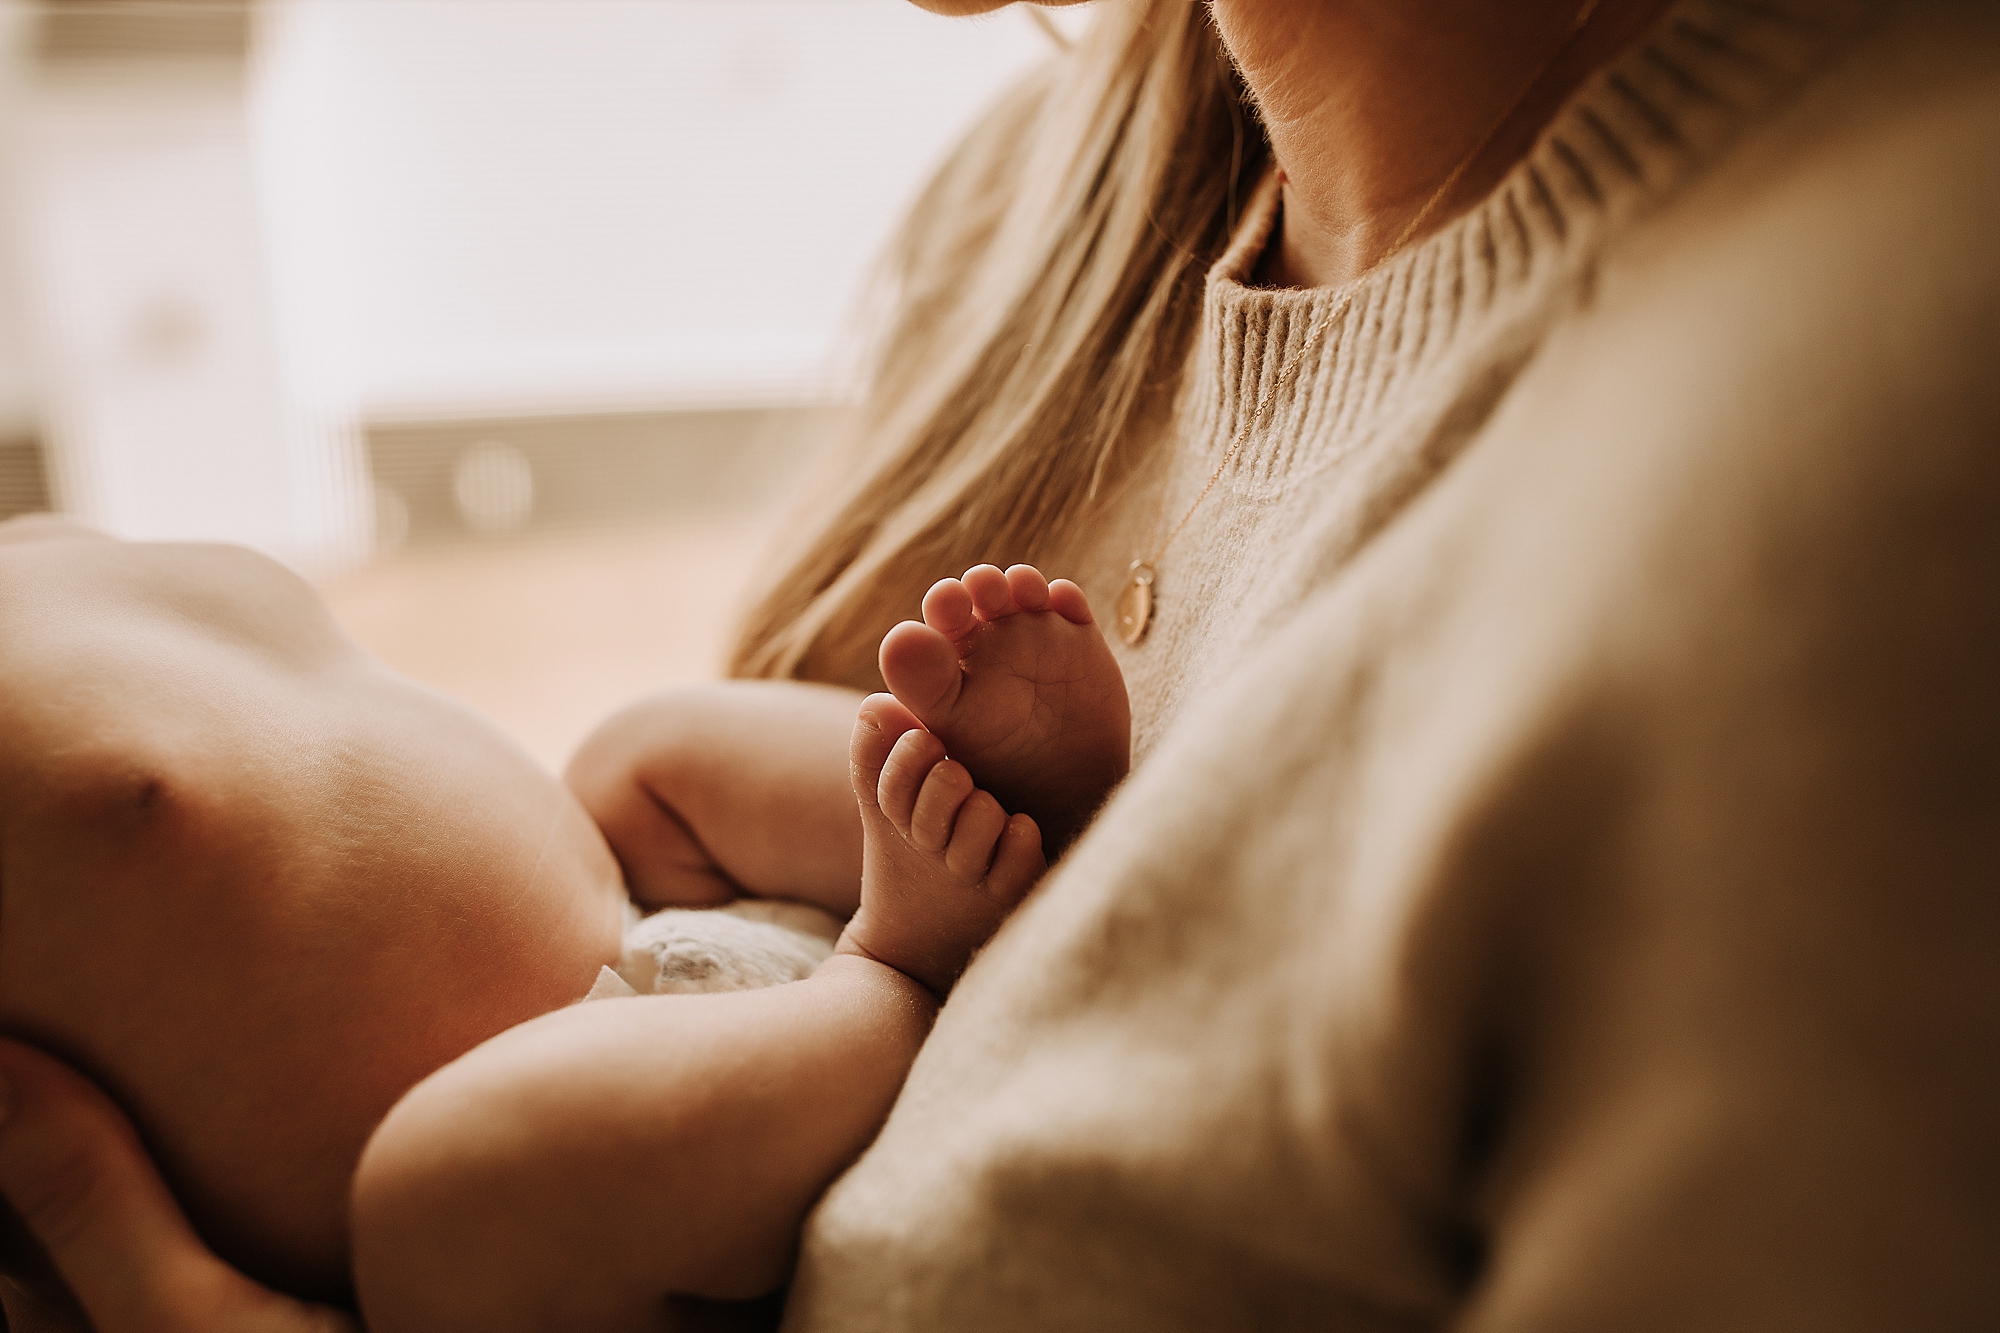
(1584, 915)
(1741, 994)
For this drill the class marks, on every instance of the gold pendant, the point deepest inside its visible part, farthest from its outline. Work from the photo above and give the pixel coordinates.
(1135, 605)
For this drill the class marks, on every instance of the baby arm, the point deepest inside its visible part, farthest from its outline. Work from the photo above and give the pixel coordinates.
(715, 791)
(572, 1173)
(577, 1171)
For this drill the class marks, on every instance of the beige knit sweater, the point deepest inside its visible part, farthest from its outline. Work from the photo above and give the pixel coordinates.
(1561, 885)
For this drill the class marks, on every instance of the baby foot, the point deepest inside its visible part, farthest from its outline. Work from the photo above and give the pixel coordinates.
(1011, 672)
(941, 863)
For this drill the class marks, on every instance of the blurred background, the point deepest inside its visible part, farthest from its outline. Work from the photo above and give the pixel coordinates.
(508, 322)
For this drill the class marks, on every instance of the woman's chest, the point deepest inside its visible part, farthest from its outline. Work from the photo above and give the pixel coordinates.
(1231, 541)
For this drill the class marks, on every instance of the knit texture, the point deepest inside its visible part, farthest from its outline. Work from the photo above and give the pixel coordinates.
(1555, 891)
(1425, 349)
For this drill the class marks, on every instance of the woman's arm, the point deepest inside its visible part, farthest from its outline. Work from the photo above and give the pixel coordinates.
(78, 1177)
(710, 792)
(574, 1171)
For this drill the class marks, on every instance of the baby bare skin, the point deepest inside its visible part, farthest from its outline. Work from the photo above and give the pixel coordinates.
(573, 1172)
(710, 792)
(256, 885)
(583, 1168)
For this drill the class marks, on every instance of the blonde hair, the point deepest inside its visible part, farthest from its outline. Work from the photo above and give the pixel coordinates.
(1042, 293)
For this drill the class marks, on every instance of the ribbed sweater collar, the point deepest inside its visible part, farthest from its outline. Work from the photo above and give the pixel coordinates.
(1628, 139)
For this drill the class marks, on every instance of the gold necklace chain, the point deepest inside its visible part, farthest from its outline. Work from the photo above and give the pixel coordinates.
(1136, 603)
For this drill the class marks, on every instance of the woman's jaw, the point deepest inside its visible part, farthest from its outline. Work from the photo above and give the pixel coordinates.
(958, 8)
(1371, 105)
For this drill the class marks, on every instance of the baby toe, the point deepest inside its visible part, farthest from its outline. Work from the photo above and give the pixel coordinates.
(948, 608)
(1068, 601)
(910, 761)
(944, 790)
(920, 667)
(991, 597)
(1030, 590)
(970, 852)
(1017, 862)
(878, 724)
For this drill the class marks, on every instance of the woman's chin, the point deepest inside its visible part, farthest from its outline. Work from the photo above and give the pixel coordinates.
(960, 8)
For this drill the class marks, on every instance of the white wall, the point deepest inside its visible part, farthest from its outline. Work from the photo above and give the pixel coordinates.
(447, 208)
(561, 203)
(160, 380)
(17, 391)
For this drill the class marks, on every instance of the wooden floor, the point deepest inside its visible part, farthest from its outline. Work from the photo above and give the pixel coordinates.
(548, 635)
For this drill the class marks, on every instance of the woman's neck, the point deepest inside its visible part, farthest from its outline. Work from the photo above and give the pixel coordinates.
(1372, 104)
